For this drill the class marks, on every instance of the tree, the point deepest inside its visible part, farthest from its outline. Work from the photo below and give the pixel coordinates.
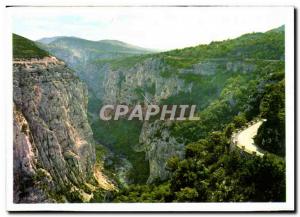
(271, 135)
(187, 195)
(239, 121)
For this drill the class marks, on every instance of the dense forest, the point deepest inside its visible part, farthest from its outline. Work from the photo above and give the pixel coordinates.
(210, 171)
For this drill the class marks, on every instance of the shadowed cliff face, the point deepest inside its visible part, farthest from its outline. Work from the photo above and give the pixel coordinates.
(54, 153)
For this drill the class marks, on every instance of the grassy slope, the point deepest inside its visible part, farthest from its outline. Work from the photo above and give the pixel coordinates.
(24, 48)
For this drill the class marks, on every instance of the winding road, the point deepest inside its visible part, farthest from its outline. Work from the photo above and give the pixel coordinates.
(244, 139)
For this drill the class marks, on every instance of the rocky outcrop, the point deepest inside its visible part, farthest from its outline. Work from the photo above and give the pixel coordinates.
(25, 161)
(141, 83)
(159, 146)
(54, 154)
(152, 80)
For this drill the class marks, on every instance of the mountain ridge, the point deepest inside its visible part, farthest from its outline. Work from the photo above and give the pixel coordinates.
(97, 43)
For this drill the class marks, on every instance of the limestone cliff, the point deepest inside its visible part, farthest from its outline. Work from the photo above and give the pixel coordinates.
(54, 153)
(141, 83)
(159, 146)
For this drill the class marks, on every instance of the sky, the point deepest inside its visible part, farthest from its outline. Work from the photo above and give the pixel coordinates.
(161, 28)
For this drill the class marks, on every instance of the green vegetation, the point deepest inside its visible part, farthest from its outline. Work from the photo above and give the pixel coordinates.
(271, 135)
(258, 46)
(121, 136)
(210, 171)
(126, 62)
(23, 48)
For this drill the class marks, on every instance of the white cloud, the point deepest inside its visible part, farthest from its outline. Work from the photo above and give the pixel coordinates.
(151, 27)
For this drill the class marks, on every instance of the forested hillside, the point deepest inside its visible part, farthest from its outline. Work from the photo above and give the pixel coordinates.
(210, 171)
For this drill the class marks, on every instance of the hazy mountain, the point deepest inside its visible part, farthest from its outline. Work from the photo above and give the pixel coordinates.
(80, 54)
(48, 40)
(83, 50)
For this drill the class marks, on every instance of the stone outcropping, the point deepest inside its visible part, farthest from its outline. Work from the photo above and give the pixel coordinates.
(159, 146)
(54, 153)
(140, 84)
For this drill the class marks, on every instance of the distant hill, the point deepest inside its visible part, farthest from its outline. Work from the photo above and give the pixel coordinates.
(48, 40)
(79, 53)
(103, 49)
(103, 45)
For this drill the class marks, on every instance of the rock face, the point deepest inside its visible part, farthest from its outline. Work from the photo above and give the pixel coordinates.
(24, 166)
(54, 154)
(141, 83)
(80, 53)
(159, 146)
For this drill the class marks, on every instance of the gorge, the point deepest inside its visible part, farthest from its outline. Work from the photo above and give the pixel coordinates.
(64, 152)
